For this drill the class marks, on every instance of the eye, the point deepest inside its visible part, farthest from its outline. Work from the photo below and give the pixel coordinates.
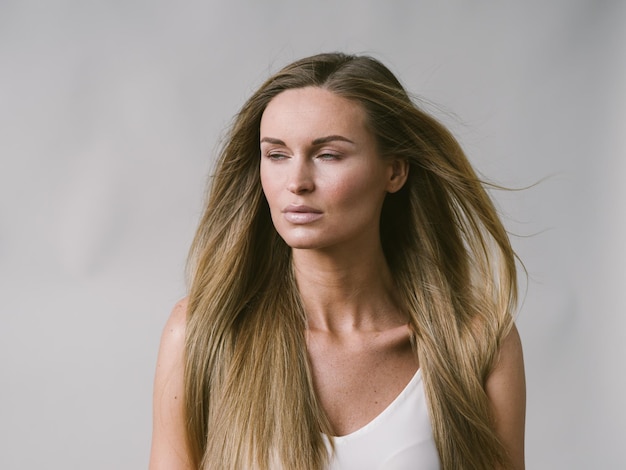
(276, 156)
(328, 156)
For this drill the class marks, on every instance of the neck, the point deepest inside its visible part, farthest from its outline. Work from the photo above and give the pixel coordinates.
(346, 292)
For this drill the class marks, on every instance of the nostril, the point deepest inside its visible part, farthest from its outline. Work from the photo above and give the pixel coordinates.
(300, 185)
(299, 188)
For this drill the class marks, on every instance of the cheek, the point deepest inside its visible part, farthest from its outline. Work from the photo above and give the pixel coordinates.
(359, 190)
(268, 184)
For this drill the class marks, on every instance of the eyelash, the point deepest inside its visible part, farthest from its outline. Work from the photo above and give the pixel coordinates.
(276, 156)
(322, 156)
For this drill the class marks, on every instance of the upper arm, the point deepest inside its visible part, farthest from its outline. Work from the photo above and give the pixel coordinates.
(506, 389)
(169, 445)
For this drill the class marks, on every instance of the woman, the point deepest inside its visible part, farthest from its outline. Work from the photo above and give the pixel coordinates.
(351, 297)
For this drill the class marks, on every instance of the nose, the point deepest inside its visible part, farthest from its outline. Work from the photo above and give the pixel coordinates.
(300, 177)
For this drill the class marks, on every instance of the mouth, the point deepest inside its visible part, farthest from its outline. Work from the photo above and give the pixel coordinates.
(300, 214)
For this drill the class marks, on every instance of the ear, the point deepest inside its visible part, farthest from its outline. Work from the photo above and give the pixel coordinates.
(398, 175)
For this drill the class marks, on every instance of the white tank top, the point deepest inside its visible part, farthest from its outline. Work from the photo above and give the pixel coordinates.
(400, 438)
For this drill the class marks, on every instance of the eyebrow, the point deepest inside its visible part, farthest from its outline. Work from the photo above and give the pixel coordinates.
(318, 141)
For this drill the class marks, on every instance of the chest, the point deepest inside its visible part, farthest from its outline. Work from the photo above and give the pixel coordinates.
(356, 381)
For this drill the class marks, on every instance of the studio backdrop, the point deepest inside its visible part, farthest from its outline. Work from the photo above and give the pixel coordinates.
(110, 117)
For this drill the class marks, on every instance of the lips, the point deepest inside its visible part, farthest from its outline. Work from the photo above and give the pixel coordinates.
(300, 214)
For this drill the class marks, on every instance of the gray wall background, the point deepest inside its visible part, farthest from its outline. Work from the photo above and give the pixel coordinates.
(110, 113)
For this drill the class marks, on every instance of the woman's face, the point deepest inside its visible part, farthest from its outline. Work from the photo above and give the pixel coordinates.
(320, 170)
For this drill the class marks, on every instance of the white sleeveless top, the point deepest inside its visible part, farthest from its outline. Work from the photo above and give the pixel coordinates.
(400, 438)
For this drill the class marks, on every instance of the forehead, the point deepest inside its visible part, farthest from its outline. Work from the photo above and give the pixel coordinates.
(313, 110)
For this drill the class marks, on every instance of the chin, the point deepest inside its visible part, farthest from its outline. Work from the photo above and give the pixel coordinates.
(300, 238)
(304, 243)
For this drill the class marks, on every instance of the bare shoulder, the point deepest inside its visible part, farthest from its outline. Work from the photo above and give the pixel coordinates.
(506, 389)
(172, 346)
(169, 448)
(508, 370)
(174, 331)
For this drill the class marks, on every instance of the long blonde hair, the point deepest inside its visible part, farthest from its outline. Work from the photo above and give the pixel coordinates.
(249, 397)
